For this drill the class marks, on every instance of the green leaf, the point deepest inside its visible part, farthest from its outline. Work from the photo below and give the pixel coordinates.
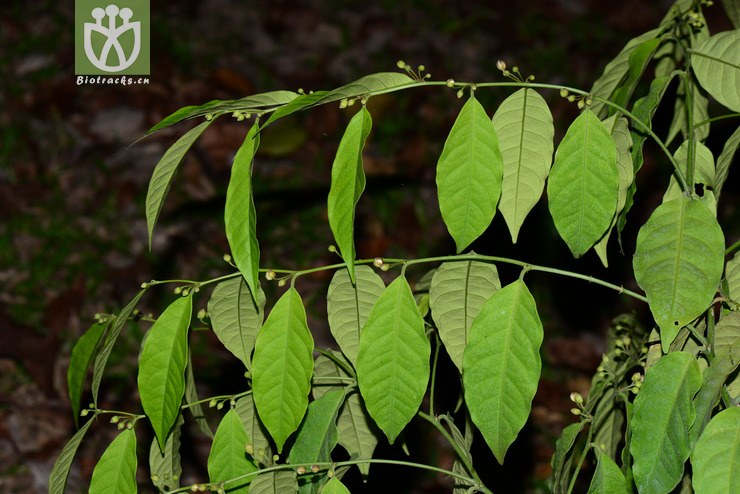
(281, 482)
(191, 399)
(335, 486)
(716, 64)
(240, 215)
(663, 413)
(610, 420)
(584, 183)
(282, 368)
(301, 102)
(469, 175)
(726, 334)
(523, 123)
(501, 365)
(637, 62)
(716, 457)
(261, 449)
(236, 321)
(162, 367)
(79, 363)
(608, 478)
(165, 466)
(393, 362)
(60, 470)
(347, 184)
(228, 458)
(458, 291)
(732, 275)
(159, 184)
(713, 379)
(115, 472)
(364, 86)
(699, 109)
(732, 7)
(563, 446)
(703, 173)
(678, 262)
(724, 161)
(348, 306)
(101, 360)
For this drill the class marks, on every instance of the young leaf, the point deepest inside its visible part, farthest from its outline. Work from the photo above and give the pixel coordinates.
(282, 368)
(501, 365)
(716, 64)
(732, 275)
(162, 367)
(165, 466)
(663, 413)
(280, 482)
(301, 102)
(678, 262)
(584, 183)
(393, 362)
(317, 435)
(563, 446)
(335, 486)
(347, 184)
(523, 123)
(608, 478)
(366, 85)
(469, 175)
(724, 161)
(228, 458)
(458, 291)
(236, 321)
(260, 445)
(716, 457)
(159, 184)
(79, 363)
(115, 472)
(348, 306)
(60, 470)
(240, 216)
(191, 399)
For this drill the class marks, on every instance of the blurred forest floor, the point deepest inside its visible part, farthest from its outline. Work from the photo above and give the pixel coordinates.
(72, 227)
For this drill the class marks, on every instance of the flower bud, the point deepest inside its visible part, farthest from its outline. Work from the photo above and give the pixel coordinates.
(576, 398)
(227, 258)
(450, 82)
(575, 411)
(281, 282)
(400, 64)
(178, 290)
(378, 262)
(202, 314)
(270, 275)
(581, 104)
(300, 470)
(460, 94)
(315, 468)
(501, 65)
(563, 92)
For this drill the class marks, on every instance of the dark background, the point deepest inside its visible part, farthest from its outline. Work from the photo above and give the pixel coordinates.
(72, 227)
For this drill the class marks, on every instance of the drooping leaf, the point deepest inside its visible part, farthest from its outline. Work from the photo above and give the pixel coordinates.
(678, 262)
(663, 413)
(228, 458)
(164, 356)
(583, 188)
(282, 368)
(280, 482)
(716, 457)
(235, 318)
(60, 470)
(523, 123)
(393, 361)
(713, 379)
(469, 175)
(347, 184)
(458, 291)
(704, 174)
(610, 420)
(559, 463)
(260, 445)
(608, 478)
(191, 399)
(637, 61)
(716, 64)
(79, 363)
(165, 466)
(240, 215)
(348, 306)
(724, 161)
(335, 486)
(115, 472)
(382, 81)
(161, 179)
(301, 102)
(732, 275)
(501, 365)
(732, 7)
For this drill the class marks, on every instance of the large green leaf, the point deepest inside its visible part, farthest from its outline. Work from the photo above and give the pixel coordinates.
(162, 364)
(260, 445)
(583, 188)
(280, 482)
(716, 63)
(560, 461)
(240, 215)
(469, 175)
(115, 472)
(159, 184)
(724, 161)
(501, 365)
(165, 466)
(348, 306)
(732, 275)
(716, 457)
(79, 363)
(60, 470)
(678, 262)
(523, 123)
(393, 362)
(235, 318)
(458, 291)
(608, 478)
(347, 184)
(282, 367)
(663, 414)
(228, 458)
(364, 86)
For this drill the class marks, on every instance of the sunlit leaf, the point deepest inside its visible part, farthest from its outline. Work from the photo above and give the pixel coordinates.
(280, 482)
(165, 466)
(724, 161)
(260, 445)
(115, 472)
(716, 63)
(367, 85)
(79, 363)
(608, 478)
(60, 470)
(716, 457)
(228, 458)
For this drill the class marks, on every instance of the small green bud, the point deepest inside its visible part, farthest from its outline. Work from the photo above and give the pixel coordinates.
(400, 64)
(378, 262)
(571, 98)
(275, 458)
(185, 292)
(178, 290)
(450, 82)
(220, 405)
(385, 267)
(202, 314)
(332, 248)
(301, 91)
(563, 92)
(145, 285)
(212, 403)
(84, 412)
(300, 470)
(501, 65)
(194, 488)
(315, 468)
(120, 425)
(330, 473)
(209, 116)
(460, 93)
(581, 104)
(343, 103)
(576, 398)
(421, 68)
(227, 258)
(270, 275)
(515, 69)
(575, 411)
(351, 102)
(281, 282)
(589, 101)
(249, 448)
(129, 425)
(115, 419)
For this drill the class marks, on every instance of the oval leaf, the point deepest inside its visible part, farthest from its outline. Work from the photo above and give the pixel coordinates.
(678, 262)
(116, 470)
(393, 362)
(501, 365)
(60, 470)
(236, 320)
(663, 414)
(162, 367)
(79, 363)
(561, 459)
(382, 81)
(716, 457)
(281, 482)
(469, 175)
(347, 184)
(608, 478)
(165, 466)
(228, 458)
(317, 434)
(523, 123)
(584, 183)
(458, 291)
(716, 64)
(282, 367)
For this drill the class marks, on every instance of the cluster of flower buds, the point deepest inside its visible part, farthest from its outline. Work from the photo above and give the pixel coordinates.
(582, 100)
(514, 74)
(419, 74)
